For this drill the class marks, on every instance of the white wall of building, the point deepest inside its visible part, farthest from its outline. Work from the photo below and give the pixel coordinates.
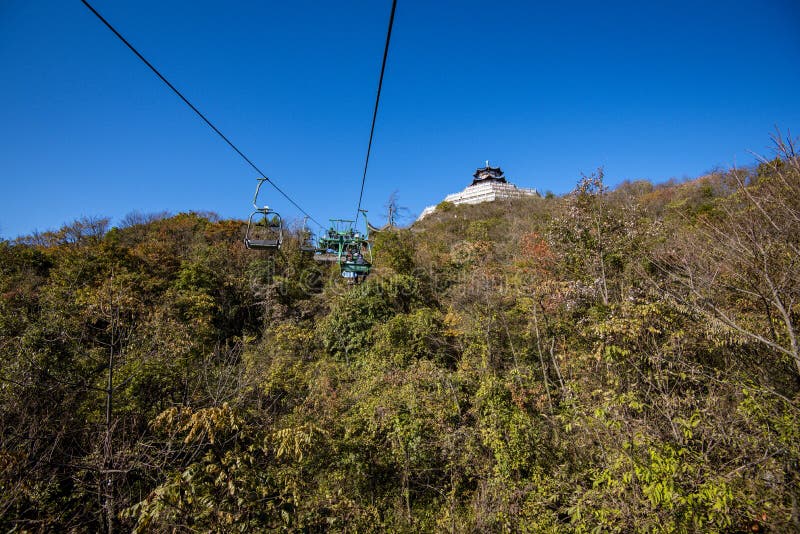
(488, 191)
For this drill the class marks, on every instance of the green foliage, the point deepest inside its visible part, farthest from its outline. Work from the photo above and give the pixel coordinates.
(506, 429)
(608, 361)
(406, 337)
(348, 328)
(445, 206)
(393, 249)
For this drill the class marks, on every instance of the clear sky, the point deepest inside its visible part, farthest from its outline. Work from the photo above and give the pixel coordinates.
(645, 89)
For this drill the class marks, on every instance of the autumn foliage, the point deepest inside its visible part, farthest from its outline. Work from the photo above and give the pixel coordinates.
(614, 360)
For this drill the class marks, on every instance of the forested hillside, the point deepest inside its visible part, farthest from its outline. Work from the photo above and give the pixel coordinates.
(607, 361)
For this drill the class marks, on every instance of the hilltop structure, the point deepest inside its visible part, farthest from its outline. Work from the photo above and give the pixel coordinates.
(488, 184)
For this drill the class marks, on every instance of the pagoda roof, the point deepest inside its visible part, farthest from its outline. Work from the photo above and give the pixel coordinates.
(488, 174)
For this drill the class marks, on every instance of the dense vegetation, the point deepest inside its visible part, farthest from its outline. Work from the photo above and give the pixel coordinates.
(608, 361)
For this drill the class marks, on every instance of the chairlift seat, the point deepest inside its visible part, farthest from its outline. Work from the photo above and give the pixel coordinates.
(358, 268)
(262, 244)
(326, 257)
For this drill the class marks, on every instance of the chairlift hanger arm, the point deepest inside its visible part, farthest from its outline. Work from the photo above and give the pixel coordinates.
(255, 197)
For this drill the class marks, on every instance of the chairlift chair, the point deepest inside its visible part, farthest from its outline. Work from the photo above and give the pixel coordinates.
(264, 232)
(348, 247)
(264, 227)
(358, 258)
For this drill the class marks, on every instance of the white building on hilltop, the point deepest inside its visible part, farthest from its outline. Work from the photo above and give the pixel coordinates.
(488, 184)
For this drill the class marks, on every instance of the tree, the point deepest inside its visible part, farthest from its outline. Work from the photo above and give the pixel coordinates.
(741, 268)
(595, 238)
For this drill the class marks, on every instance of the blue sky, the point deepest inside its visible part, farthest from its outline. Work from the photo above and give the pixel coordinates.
(645, 89)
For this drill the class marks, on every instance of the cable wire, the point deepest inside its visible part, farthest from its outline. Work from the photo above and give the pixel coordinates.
(375, 111)
(197, 111)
